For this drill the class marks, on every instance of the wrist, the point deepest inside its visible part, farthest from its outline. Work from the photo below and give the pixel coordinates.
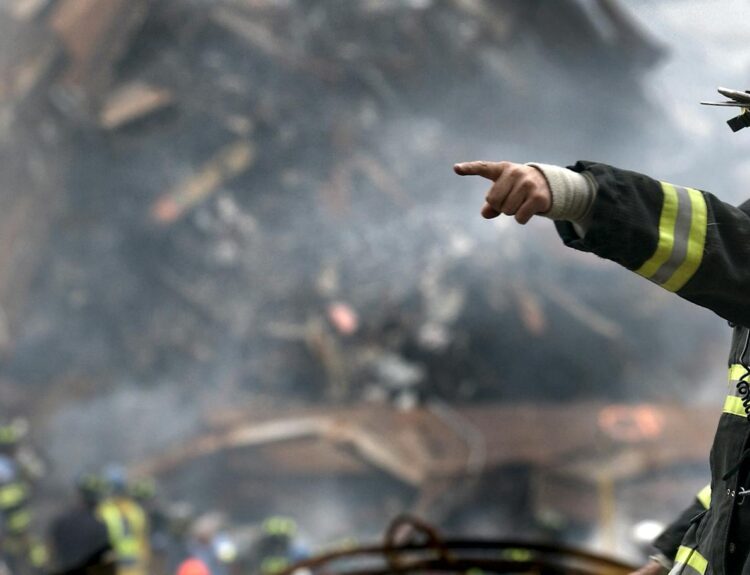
(572, 194)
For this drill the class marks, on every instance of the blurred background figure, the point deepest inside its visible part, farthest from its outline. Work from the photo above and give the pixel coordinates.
(126, 522)
(22, 549)
(180, 516)
(78, 537)
(144, 492)
(209, 547)
(277, 546)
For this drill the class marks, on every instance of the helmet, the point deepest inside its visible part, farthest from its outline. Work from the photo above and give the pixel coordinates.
(193, 566)
(143, 489)
(12, 432)
(116, 478)
(91, 486)
(280, 526)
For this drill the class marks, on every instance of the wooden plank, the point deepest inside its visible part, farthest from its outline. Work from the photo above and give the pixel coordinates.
(132, 102)
(96, 34)
(227, 163)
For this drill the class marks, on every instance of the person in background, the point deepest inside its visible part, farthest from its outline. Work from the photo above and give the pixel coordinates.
(209, 544)
(277, 547)
(143, 491)
(127, 524)
(23, 551)
(79, 541)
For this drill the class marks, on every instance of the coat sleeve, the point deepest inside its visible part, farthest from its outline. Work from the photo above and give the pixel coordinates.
(685, 240)
(669, 541)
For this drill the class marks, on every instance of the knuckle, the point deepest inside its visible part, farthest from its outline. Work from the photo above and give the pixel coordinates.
(537, 195)
(498, 188)
(527, 186)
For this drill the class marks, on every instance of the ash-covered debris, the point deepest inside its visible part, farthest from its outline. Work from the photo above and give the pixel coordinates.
(259, 193)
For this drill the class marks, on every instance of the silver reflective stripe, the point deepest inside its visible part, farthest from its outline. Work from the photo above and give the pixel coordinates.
(681, 237)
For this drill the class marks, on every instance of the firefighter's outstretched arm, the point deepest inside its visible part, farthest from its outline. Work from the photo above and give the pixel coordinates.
(685, 240)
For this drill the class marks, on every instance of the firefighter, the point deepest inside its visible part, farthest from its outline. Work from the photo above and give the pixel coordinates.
(143, 491)
(127, 524)
(78, 537)
(690, 243)
(23, 551)
(277, 548)
(210, 544)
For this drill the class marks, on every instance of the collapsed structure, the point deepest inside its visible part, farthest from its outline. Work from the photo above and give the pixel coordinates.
(219, 197)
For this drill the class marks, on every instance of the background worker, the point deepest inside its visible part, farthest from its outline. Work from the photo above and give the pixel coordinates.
(23, 551)
(127, 524)
(79, 540)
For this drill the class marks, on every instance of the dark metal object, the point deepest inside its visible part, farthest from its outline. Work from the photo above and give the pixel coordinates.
(436, 555)
(737, 99)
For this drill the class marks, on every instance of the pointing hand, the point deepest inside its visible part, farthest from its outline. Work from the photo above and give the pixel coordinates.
(517, 190)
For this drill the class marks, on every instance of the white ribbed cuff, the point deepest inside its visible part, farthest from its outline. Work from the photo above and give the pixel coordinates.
(573, 194)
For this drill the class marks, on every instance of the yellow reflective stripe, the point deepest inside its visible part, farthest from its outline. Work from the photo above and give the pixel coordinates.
(736, 371)
(696, 243)
(127, 548)
(11, 495)
(733, 405)
(19, 521)
(666, 233)
(38, 555)
(126, 545)
(111, 518)
(687, 556)
(704, 496)
(682, 237)
(273, 565)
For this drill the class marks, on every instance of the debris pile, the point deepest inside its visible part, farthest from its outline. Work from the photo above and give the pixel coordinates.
(255, 196)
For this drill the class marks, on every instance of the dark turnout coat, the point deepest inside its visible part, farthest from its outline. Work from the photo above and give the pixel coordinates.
(691, 243)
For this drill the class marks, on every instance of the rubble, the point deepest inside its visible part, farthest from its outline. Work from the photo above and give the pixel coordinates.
(448, 456)
(95, 34)
(289, 230)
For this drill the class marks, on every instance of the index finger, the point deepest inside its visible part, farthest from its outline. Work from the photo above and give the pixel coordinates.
(490, 170)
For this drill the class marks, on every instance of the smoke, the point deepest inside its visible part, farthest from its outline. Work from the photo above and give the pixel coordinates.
(351, 200)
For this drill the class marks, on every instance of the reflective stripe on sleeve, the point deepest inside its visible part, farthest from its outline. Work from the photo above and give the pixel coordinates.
(12, 494)
(689, 561)
(736, 371)
(704, 496)
(18, 521)
(734, 404)
(682, 237)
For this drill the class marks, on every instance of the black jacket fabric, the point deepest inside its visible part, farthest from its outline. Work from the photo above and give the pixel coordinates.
(79, 539)
(693, 244)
